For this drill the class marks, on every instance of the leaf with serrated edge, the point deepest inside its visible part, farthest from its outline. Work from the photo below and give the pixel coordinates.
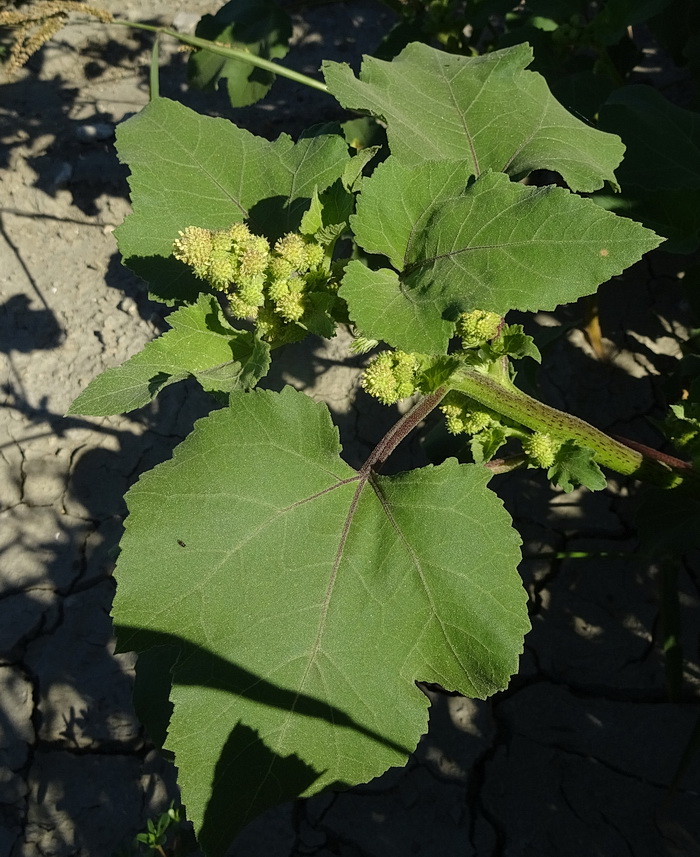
(497, 246)
(192, 170)
(323, 594)
(486, 110)
(201, 343)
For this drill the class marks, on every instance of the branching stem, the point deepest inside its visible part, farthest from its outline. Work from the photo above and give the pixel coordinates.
(516, 405)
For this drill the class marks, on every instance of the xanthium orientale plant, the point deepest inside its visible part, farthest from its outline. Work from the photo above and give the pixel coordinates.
(284, 604)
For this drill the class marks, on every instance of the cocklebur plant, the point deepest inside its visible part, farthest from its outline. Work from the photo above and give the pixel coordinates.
(284, 604)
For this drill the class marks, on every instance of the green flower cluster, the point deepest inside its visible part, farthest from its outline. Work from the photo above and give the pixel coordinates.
(269, 285)
(541, 449)
(233, 261)
(391, 376)
(464, 416)
(477, 327)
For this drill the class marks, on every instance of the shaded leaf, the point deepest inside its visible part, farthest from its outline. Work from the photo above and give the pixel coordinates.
(261, 28)
(311, 597)
(486, 111)
(667, 521)
(574, 466)
(201, 344)
(675, 214)
(662, 140)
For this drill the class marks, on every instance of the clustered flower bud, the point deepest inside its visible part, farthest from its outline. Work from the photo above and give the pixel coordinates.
(463, 416)
(477, 327)
(541, 449)
(259, 282)
(231, 260)
(391, 376)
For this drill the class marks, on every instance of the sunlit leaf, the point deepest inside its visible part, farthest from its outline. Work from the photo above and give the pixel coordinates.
(192, 170)
(201, 344)
(486, 111)
(308, 598)
(494, 245)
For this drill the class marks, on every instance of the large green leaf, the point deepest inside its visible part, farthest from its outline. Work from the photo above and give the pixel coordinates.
(486, 111)
(306, 599)
(261, 28)
(201, 344)
(192, 170)
(660, 175)
(496, 245)
(662, 140)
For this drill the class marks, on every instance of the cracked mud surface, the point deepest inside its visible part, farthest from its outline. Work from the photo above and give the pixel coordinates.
(576, 758)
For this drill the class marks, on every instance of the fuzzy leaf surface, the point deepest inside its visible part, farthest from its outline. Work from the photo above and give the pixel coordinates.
(496, 245)
(308, 598)
(192, 170)
(488, 111)
(201, 343)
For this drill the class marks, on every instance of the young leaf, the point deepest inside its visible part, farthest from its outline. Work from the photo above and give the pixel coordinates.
(309, 598)
(201, 343)
(192, 170)
(497, 246)
(574, 466)
(260, 27)
(487, 111)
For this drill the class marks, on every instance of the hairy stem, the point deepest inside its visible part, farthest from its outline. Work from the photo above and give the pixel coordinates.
(229, 52)
(401, 429)
(516, 405)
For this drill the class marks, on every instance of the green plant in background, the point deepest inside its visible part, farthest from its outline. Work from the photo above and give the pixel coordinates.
(164, 836)
(283, 603)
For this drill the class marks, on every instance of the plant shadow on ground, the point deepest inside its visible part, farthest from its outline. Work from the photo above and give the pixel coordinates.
(72, 592)
(65, 606)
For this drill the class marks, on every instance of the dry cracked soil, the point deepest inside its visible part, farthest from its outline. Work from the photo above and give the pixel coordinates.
(580, 757)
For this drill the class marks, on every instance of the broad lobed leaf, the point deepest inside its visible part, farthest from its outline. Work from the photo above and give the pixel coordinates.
(192, 170)
(201, 344)
(487, 111)
(306, 600)
(496, 245)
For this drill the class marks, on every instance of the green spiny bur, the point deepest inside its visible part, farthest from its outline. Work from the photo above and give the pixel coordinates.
(391, 376)
(541, 449)
(477, 327)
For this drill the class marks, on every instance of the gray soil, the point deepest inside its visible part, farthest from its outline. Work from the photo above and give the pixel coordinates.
(577, 758)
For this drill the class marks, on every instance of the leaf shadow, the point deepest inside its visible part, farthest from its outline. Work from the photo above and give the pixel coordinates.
(249, 777)
(162, 654)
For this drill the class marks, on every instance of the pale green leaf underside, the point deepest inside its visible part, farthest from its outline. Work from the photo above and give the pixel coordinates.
(487, 111)
(201, 344)
(498, 245)
(333, 592)
(192, 170)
